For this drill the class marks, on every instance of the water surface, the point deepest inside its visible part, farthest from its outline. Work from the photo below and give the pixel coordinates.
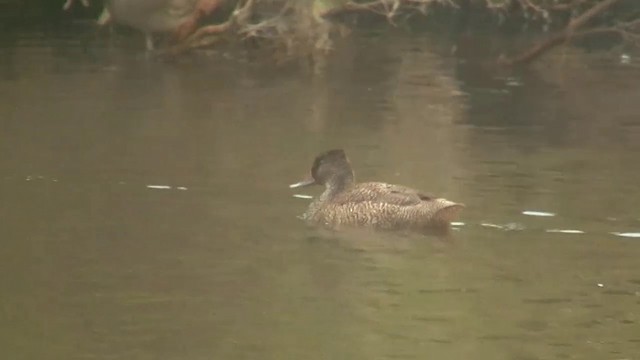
(146, 215)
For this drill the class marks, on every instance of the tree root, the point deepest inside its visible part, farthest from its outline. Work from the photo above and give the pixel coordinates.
(314, 30)
(210, 34)
(203, 9)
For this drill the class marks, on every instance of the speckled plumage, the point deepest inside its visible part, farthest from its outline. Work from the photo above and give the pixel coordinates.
(345, 203)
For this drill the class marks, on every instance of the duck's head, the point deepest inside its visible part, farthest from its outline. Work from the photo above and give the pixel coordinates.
(331, 168)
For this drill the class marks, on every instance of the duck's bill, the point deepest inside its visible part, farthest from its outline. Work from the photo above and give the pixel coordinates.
(302, 183)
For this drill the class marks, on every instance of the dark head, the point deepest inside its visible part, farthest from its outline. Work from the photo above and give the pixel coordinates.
(329, 168)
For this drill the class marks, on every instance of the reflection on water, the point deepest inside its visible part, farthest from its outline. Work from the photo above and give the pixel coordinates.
(146, 214)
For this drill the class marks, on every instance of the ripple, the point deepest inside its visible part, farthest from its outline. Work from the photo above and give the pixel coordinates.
(565, 231)
(431, 319)
(166, 187)
(538, 213)
(547, 301)
(506, 227)
(499, 337)
(159, 187)
(447, 291)
(440, 341)
(619, 292)
(627, 234)
(302, 196)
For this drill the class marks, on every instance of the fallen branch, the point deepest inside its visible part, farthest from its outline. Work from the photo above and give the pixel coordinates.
(561, 37)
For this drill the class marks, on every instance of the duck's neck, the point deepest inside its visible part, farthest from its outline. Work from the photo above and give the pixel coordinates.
(336, 186)
(332, 189)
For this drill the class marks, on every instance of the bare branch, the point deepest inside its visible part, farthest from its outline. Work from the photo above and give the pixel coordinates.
(561, 37)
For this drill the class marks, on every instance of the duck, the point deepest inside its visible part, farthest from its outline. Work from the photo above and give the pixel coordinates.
(374, 205)
(151, 16)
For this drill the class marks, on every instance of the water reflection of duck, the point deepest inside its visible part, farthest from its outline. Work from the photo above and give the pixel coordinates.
(151, 16)
(372, 204)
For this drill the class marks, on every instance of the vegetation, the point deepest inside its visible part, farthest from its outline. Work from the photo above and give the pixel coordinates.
(297, 27)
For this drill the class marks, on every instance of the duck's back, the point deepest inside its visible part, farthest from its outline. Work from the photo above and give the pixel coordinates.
(380, 192)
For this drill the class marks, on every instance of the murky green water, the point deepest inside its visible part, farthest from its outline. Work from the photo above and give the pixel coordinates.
(145, 212)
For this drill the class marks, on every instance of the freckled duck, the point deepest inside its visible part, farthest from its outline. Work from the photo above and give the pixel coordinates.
(345, 203)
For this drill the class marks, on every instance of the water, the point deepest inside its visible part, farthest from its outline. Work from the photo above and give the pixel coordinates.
(146, 215)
